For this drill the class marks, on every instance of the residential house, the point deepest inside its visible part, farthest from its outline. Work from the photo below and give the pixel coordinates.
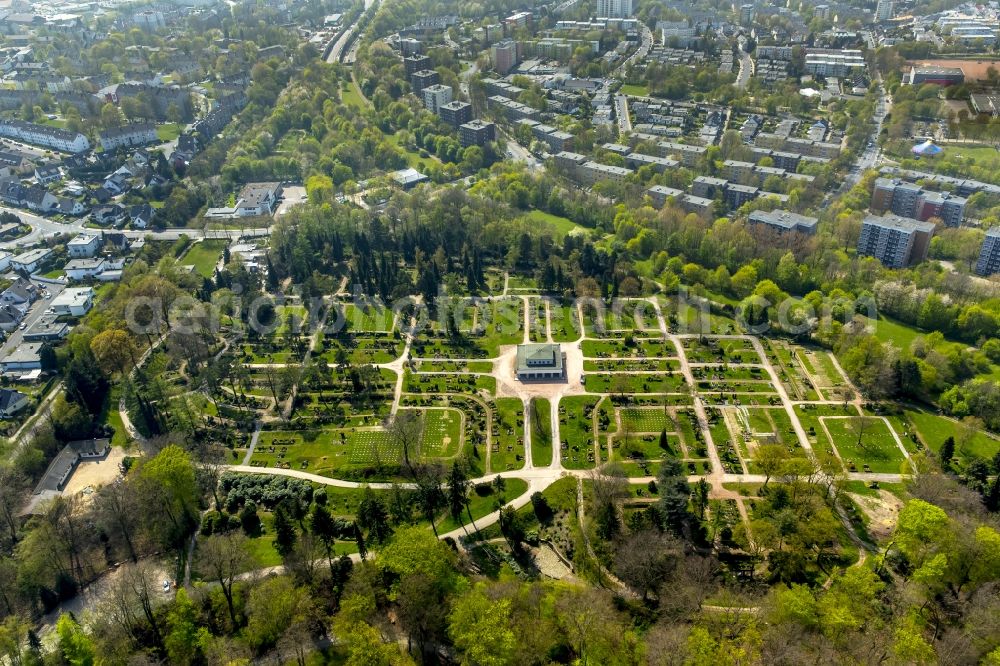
(12, 402)
(38, 199)
(24, 358)
(47, 328)
(28, 262)
(86, 244)
(257, 199)
(141, 216)
(73, 207)
(47, 173)
(10, 317)
(78, 270)
(108, 215)
(132, 134)
(73, 301)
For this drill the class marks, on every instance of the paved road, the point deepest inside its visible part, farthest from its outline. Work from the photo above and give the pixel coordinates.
(869, 157)
(746, 68)
(519, 153)
(621, 111)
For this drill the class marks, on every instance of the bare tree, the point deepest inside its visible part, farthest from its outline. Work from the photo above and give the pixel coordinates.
(225, 557)
(406, 430)
(118, 510)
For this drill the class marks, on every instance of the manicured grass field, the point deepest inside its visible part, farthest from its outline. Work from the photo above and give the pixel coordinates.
(877, 449)
(541, 432)
(168, 131)
(484, 503)
(204, 256)
(442, 435)
(635, 90)
(368, 318)
(934, 429)
(561, 225)
(646, 420)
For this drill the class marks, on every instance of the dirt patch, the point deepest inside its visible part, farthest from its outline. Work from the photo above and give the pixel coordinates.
(550, 564)
(93, 474)
(973, 69)
(881, 511)
(89, 600)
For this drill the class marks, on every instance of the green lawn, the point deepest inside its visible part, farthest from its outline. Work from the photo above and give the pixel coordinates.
(890, 330)
(169, 131)
(877, 449)
(541, 432)
(484, 501)
(635, 90)
(934, 429)
(204, 256)
(561, 225)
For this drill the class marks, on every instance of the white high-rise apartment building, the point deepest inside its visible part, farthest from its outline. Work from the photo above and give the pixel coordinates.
(614, 8)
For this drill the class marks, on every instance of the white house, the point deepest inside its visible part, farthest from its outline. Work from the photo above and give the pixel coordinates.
(74, 301)
(84, 245)
(4, 261)
(30, 261)
(257, 199)
(83, 269)
(44, 135)
(134, 134)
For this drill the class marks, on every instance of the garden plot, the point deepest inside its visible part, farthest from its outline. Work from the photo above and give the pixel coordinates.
(797, 382)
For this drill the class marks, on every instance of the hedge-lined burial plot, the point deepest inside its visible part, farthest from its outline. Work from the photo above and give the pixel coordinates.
(459, 366)
(361, 348)
(720, 351)
(626, 383)
(576, 432)
(537, 320)
(449, 383)
(564, 322)
(474, 433)
(632, 365)
(508, 435)
(629, 348)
